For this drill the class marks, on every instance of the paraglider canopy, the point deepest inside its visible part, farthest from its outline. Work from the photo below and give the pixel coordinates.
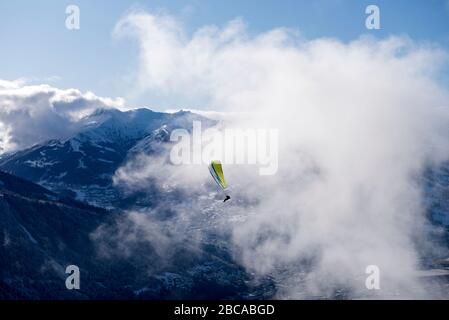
(216, 171)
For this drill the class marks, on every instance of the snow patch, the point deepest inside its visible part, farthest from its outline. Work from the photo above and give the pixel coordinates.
(30, 237)
(104, 160)
(81, 164)
(75, 144)
(41, 163)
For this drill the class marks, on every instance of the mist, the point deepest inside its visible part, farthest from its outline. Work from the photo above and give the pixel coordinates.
(358, 123)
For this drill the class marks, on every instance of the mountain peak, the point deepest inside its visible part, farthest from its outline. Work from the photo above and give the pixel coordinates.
(86, 161)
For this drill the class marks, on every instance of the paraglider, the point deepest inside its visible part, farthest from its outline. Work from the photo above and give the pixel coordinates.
(216, 171)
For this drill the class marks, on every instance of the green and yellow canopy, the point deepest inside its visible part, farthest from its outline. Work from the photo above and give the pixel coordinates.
(216, 170)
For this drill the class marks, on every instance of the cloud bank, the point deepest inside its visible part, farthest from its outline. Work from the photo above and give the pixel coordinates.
(358, 123)
(30, 114)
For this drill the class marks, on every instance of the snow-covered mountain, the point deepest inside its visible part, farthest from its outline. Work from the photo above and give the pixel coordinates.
(83, 164)
(45, 228)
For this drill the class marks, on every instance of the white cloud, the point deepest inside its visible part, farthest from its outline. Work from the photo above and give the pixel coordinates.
(30, 114)
(358, 123)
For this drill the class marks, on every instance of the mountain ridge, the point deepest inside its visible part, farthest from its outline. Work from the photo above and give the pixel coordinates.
(83, 164)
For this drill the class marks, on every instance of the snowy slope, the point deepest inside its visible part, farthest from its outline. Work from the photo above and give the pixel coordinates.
(83, 165)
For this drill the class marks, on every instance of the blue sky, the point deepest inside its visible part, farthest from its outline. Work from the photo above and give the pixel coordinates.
(36, 45)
